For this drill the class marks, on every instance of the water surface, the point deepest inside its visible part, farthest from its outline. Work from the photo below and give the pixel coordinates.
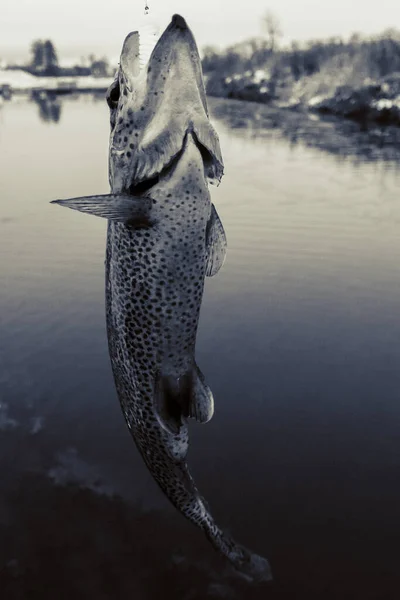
(298, 339)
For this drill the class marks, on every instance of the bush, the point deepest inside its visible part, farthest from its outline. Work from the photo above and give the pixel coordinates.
(318, 67)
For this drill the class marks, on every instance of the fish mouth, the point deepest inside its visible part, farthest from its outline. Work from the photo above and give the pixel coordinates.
(140, 46)
(149, 38)
(178, 21)
(167, 102)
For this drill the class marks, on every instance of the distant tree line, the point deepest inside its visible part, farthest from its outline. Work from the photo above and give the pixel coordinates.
(44, 62)
(379, 56)
(382, 54)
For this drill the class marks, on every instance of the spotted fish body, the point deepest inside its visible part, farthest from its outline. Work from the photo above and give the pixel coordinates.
(164, 236)
(155, 277)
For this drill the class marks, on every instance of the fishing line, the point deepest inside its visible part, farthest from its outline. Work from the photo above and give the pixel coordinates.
(149, 33)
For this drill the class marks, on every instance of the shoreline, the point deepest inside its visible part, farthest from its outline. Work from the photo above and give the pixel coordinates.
(337, 135)
(333, 133)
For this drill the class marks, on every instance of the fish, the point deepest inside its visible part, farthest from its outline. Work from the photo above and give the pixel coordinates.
(164, 237)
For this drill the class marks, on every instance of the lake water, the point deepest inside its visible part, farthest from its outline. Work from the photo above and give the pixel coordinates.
(298, 339)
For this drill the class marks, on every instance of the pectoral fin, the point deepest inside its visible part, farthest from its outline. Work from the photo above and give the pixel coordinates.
(114, 207)
(208, 138)
(216, 244)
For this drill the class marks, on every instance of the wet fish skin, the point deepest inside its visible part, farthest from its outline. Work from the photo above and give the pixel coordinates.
(163, 149)
(139, 366)
(156, 109)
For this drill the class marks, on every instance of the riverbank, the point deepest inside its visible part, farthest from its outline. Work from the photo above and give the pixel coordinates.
(363, 123)
(357, 79)
(343, 137)
(373, 103)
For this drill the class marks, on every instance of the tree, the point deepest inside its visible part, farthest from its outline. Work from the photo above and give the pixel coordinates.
(271, 25)
(100, 67)
(44, 57)
(355, 39)
(37, 51)
(210, 58)
(50, 55)
(296, 60)
(391, 33)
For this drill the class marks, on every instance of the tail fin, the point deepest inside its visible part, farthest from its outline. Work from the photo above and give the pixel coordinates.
(252, 567)
(190, 396)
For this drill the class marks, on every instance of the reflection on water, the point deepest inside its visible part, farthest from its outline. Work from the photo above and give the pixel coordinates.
(49, 106)
(298, 336)
(345, 139)
(341, 137)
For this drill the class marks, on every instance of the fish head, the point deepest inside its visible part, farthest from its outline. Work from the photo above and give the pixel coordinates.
(154, 108)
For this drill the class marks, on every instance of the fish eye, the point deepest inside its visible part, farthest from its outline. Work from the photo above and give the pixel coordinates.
(113, 95)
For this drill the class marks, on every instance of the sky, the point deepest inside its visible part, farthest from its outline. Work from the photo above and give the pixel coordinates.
(79, 27)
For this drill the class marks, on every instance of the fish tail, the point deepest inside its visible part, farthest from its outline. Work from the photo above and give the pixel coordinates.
(250, 565)
(182, 492)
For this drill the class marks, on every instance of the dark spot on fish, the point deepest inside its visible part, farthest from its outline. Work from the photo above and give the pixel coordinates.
(142, 108)
(129, 154)
(149, 70)
(131, 146)
(156, 93)
(125, 139)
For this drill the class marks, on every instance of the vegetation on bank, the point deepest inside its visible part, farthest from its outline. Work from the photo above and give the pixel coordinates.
(358, 78)
(44, 63)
